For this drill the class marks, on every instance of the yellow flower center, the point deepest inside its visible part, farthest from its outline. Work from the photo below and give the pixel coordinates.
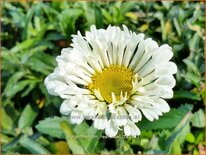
(114, 79)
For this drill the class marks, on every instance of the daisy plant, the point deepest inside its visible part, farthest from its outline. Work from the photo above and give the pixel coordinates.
(113, 76)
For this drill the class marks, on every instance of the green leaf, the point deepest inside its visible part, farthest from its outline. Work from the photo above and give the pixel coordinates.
(164, 122)
(192, 78)
(122, 145)
(98, 17)
(23, 45)
(72, 141)
(6, 121)
(19, 86)
(91, 140)
(194, 42)
(10, 62)
(27, 54)
(12, 81)
(176, 147)
(183, 133)
(94, 141)
(27, 117)
(186, 94)
(33, 146)
(27, 19)
(126, 7)
(166, 4)
(177, 26)
(190, 138)
(12, 143)
(68, 19)
(51, 126)
(177, 131)
(173, 140)
(107, 16)
(31, 86)
(42, 63)
(191, 66)
(198, 119)
(5, 139)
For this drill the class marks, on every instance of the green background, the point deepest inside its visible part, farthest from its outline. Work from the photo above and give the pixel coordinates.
(33, 34)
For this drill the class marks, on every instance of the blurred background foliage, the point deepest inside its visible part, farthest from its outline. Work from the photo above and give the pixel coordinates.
(33, 34)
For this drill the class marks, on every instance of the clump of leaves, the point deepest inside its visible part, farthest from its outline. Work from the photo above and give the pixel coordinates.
(33, 34)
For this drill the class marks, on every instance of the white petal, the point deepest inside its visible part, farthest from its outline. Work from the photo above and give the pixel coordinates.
(76, 116)
(150, 47)
(130, 48)
(121, 116)
(111, 129)
(100, 122)
(57, 84)
(150, 114)
(131, 129)
(134, 113)
(162, 105)
(166, 69)
(169, 81)
(163, 54)
(67, 106)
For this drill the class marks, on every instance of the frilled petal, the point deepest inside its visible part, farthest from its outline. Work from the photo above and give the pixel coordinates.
(131, 129)
(67, 106)
(100, 122)
(134, 113)
(140, 77)
(111, 129)
(77, 116)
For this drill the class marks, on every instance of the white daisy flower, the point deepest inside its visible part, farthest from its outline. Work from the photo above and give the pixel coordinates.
(112, 77)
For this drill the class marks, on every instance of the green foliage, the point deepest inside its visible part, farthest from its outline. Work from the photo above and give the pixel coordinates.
(198, 119)
(73, 143)
(176, 115)
(33, 34)
(27, 117)
(51, 126)
(32, 146)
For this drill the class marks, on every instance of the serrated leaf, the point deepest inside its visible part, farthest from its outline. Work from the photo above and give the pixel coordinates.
(51, 126)
(198, 119)
(164, 122)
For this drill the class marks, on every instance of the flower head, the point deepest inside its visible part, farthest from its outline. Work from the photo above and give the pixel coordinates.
(112, 77)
